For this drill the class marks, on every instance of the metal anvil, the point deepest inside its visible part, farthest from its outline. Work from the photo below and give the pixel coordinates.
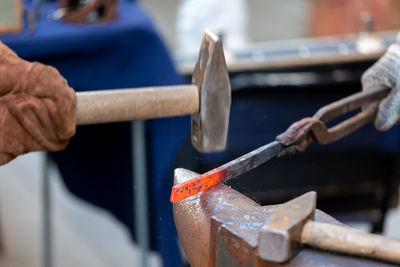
(221, 226)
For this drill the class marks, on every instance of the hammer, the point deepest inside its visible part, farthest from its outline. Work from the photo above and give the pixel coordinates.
(207, 99)
(291, 225)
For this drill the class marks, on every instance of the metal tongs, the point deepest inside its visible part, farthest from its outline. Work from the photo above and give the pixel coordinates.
(295, 139)
(300, 134)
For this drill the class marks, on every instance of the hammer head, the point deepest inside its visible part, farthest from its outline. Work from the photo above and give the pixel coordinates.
(280, 237)
(210, 125)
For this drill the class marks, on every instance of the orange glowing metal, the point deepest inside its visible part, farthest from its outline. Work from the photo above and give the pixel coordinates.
(292, 138)
(197, 184)
(225, 172)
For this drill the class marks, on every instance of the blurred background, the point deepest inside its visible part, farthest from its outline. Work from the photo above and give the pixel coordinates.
(79, 207)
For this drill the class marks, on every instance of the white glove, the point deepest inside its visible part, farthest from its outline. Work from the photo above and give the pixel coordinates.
(386, 72)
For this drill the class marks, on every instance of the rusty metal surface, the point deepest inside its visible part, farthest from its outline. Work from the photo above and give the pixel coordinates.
(210, 126)
(291, 225)
(279, 238)
(225, 172)
(220, 227)
(295, 139)
(300, 134)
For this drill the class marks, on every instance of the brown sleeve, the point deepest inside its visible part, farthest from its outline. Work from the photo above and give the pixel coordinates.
(37, 107)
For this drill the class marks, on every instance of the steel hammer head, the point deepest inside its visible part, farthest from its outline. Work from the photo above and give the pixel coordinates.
(280, 237)
(210, 125)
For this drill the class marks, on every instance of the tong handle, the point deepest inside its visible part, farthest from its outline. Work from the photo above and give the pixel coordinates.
(346, 105)
(350, 103)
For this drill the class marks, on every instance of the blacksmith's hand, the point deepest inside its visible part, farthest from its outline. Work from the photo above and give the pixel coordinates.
(386, 72)
(37, 107)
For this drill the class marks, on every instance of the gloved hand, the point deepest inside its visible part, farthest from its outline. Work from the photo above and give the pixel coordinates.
(386, 72)
(37, 107)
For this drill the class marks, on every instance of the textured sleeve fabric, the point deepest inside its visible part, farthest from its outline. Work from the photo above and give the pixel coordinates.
(386, 72)
(37, 107)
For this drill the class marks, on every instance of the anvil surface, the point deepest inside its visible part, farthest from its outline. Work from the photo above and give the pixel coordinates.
(220, 227)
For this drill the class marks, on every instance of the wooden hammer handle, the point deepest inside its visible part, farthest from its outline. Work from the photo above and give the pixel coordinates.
(134, 104)
(350, 241)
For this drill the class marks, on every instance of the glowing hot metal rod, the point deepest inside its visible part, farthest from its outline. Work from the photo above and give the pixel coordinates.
(295, 139)
(227, 171)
